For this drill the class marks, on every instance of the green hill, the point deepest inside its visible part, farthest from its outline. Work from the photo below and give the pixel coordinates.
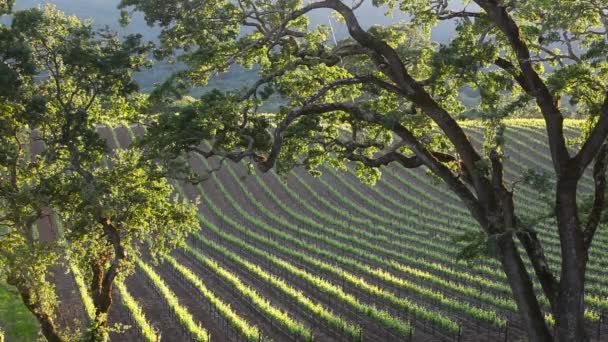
(292, 257)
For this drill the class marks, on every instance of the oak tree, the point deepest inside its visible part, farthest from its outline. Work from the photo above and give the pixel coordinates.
(390, 94)
(61, 80)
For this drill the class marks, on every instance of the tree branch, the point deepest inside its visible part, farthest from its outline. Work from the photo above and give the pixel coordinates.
(389, 157)
(385, 159)
(599, 176)
(593, 144)
(497, 12)
(433, 162)
(235, 156)
(526, 236)
(510, 68)
(268, 163)
(446, 15)
(416, 93)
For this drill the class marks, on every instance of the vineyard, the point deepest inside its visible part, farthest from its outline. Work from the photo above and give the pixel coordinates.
(298, 258)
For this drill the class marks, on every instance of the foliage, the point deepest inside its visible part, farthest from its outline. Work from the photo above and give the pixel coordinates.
(389, 94)
(141, 206)
(6, 6)
(66, 79)
(301, 63)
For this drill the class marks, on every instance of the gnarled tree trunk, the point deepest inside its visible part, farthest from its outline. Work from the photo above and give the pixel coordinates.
(103, 281)
(523, 290)
(570, 304)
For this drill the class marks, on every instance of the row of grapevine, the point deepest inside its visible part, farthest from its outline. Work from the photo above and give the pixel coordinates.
(382, 317)
(426, 258)
(317, 309)
(347, 246)
(185, 318)
(147, 331)
(364, 241)
(427, 294)
(87, 301)
(293, 326)
(385, 263)
(251, 333)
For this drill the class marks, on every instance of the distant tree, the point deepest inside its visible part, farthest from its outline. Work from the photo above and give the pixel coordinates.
(396, 93)
(60, 81)
(6, 6)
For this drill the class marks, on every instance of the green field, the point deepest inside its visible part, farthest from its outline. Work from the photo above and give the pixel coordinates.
(17, 323)
(298, 258)
(329, 257)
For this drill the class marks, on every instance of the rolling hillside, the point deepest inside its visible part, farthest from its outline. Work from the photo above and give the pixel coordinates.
(298, 258)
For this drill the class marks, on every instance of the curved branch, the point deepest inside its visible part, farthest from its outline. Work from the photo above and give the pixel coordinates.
(599, 175)
(385, 159)
(268, 163)
(593, 144)
(533, 246)
(415, 92)
(446, 15)
(235, 156)
(430, 160)
(510, 68)
(409, 162)
(553, 116)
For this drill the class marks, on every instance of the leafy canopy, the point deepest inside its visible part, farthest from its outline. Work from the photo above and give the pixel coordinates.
(303, 65)
(60, 80)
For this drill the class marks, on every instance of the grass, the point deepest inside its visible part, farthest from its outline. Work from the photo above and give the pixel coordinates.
(16, 321)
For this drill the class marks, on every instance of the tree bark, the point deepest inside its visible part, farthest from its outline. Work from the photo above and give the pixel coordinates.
(503, 224)
(529, 239)
(103, 281)
(570, 305)
(101, 300)
(523, 291)
(599, 198)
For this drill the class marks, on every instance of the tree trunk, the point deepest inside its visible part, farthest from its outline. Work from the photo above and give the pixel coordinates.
(47, 324)
(103, 281)
(102, 302)
(523, 291)
(570, 304)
